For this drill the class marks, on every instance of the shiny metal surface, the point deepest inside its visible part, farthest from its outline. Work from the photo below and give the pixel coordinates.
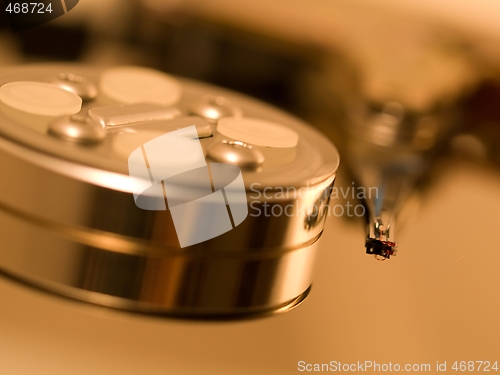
(213, 108)
(126, 114)
(75, 230)
(78, 85)
(77, 128)
(236, 152)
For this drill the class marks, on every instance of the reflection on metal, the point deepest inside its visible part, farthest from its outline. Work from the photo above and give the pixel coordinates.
(76, 84)
(238, 153)
(213, 108)
(78, 129)
(319, 210)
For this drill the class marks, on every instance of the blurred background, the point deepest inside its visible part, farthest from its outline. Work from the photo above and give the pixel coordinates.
(409, 86)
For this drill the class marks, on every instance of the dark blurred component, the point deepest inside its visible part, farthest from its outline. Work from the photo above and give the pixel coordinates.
(480, 139)
(4, 21)
(225, 56)
(53, 42)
